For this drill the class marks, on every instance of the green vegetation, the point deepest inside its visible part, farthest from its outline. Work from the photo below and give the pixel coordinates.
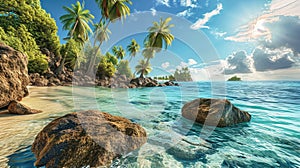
(76, 22)
(119, 52)
(159, 36)
(183, 74)
(105, 68)
(26, 27)
(111, 11)
(234, 78)
(124, 69)
(133, 48)
(37, 21)
(71, 52)
(143, 68)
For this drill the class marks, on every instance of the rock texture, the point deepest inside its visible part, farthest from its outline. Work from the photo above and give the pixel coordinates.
(149, 82)
(86, 139)
(214, 112)
(18, 108)
(13, 75)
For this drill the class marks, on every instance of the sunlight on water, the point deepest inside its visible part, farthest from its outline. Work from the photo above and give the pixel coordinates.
(271, 139)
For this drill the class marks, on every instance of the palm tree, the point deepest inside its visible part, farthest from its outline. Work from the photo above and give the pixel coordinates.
(101, 34)
(159, 36)
(119, 52)
(133, 48)
(143, 68)
(111, 10)
(114, 9)
(76, 22)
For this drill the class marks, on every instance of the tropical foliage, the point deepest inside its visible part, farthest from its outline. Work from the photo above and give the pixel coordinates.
(22, 40)
(76, 21)
(133, 48)
(72, 52)
(143, 68)
(111, 58)
(124, 69)
(234, 78)
(105, 68)
(183, 74)
(159, 36)
(119, 52)
(37, 21)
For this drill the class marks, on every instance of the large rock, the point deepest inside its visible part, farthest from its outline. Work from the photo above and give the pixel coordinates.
(214, 112)
(17, 108)
(86, 139)
(13, 75)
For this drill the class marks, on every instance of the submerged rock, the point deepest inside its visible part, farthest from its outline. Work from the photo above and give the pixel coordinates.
(17, 108)
(13, 75)
(214, 112)
(86, 139)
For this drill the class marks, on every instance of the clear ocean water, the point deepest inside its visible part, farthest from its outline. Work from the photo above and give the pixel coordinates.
(271, 139)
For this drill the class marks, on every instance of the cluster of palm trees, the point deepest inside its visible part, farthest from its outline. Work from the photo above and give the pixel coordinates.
(77, 21)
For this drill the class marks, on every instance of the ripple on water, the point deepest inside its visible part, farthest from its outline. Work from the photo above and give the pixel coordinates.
(271, 139)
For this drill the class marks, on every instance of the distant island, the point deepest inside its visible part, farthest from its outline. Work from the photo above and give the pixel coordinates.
(183, 75)
(235, 78)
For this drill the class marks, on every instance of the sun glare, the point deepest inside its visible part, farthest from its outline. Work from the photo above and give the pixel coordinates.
(259, 27)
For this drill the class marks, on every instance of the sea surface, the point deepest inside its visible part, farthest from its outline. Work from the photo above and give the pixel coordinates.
(271, 139)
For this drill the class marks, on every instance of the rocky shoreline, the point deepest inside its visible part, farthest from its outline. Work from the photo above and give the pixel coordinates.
(79, 79)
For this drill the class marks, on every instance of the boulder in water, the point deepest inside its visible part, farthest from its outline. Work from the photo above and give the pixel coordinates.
(214, 112)
(86, 139)
(17, 108)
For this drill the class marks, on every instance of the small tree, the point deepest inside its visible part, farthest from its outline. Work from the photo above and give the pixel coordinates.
(124, 69)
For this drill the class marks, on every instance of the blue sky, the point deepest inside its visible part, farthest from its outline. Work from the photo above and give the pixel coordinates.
(246, 35)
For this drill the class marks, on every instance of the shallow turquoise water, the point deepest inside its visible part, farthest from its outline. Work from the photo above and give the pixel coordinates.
(271, 139)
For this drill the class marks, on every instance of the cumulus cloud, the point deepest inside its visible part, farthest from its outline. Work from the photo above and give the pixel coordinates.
(165, 65)
(267, 59)
(238, 62)
(285, 33)
(256, 29)
(261, 59)
(201, 23)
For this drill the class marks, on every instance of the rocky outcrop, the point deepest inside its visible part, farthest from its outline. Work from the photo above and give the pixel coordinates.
(149, 82)
(86, 139)
(214, 112)
(17, 108)
(13, 75)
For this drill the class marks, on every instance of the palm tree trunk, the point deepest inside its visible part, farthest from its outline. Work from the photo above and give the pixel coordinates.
(94, 55)
(61, 67)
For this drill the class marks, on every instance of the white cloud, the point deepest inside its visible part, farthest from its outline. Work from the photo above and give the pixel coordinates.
(200, 23)
(192, 62)
(163, 2)
(185, 13)
(256, 29)
(261, 59)
(218, 34)
(153, 11)
(188, 3)
(165, 65)
(238, 62)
